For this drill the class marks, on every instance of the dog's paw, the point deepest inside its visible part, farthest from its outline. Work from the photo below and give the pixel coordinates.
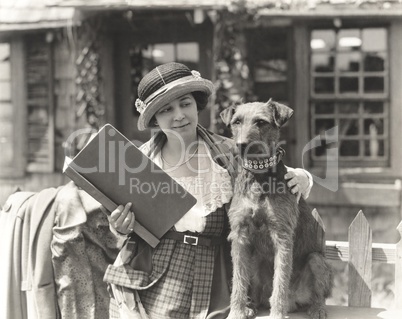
(317, 313)
(246, 313)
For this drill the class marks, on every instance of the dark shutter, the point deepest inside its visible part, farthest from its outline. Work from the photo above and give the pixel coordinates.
(40, 125)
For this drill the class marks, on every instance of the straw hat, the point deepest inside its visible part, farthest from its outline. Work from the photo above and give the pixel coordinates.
(165, 83)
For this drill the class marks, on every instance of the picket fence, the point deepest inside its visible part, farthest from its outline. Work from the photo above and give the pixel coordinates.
(360, 253)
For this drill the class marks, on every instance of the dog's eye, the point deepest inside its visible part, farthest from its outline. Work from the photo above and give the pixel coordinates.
(236, 122)
(261, 122)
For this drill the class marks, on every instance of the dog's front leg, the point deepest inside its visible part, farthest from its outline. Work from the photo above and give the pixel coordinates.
(239, 308)
(282, 274)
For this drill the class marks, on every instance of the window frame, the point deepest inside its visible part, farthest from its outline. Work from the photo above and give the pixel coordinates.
(19, 167)
(18, 102)
(360, 97)
(49, 165)
(301, 102)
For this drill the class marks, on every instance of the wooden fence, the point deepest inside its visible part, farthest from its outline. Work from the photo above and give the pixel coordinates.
(360, 253)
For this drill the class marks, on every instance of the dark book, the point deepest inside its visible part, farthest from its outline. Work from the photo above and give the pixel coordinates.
(114, 171)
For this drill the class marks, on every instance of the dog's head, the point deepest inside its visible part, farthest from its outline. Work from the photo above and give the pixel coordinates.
(255, 126)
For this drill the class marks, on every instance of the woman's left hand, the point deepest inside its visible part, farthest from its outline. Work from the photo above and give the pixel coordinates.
(298, 182)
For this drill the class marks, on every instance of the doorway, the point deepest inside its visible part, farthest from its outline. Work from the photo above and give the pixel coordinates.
(270, 64)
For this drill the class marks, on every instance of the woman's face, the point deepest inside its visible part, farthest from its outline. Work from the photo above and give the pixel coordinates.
(179, 117)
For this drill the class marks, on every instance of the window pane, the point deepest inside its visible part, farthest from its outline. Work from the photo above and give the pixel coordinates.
(324, 108)
(349, 40)
(373, 84)
(373, 107)
(374, 39)
(374, 148)
(6, 112)
(5, 71)
(348, 84)
(6, 109)
(323, 62)
(324, 85)
(187, 53)
(38, 115)
(348, 127)
(5, 91)
(374, 62)
(349, 148)
(320, 150)
(163, 53)
(348, 62)
(374, 127)
(6, 143)
(4, 52)
(348, 107)
(322, 125)
(323, 40)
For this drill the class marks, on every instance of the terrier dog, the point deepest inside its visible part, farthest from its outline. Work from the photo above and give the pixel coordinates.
(278, 263)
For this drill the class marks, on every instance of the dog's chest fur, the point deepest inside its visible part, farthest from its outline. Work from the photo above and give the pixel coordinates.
(262, 203)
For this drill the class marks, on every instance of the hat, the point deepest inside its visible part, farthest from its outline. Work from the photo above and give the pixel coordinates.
(165, 83)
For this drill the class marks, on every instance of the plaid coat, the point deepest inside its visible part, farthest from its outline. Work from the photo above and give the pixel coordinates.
(176, 280)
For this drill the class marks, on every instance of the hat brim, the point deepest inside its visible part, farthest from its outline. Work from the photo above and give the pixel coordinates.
(200, 85)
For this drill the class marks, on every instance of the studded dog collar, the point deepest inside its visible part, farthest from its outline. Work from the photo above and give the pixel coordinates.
(258, 164)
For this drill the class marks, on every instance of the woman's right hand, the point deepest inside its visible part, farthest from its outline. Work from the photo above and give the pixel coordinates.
(122, 219)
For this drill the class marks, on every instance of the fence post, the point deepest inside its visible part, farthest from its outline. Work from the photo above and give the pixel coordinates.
(319, 230)
(360, 260)
(398, 270)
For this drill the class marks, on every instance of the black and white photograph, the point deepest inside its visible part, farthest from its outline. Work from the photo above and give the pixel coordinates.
(201, 159)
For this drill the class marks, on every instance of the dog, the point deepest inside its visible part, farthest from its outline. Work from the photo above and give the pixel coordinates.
(278, 262)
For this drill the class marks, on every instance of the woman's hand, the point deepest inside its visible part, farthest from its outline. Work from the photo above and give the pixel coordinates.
(122, 219)
(299, 182)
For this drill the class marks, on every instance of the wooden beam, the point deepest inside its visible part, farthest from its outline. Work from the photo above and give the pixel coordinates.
(19, 101)
(108, 78)
(301, 39)
(360, 261)
(359, 194)
(398, 271)
(395, 52)
(382, 253)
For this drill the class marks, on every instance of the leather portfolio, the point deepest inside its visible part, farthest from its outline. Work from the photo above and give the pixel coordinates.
(114, 171)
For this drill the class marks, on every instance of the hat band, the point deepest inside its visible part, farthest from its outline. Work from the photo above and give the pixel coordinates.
(142, 105)
(167, 88)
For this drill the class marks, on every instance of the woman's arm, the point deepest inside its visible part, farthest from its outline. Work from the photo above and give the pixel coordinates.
(300, 181)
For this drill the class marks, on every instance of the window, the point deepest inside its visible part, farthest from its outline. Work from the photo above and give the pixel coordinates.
(183, 52)
(12, 109)
(6, 108)
(26, 119)
(350, 89)
(39, 105)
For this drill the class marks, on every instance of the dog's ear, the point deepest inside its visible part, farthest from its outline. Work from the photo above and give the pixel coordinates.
(282, 113)
(227, 114)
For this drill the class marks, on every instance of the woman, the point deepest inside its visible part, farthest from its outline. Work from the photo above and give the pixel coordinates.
(178, 279)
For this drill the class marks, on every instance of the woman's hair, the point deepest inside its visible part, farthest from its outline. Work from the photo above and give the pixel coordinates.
(200, 98)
